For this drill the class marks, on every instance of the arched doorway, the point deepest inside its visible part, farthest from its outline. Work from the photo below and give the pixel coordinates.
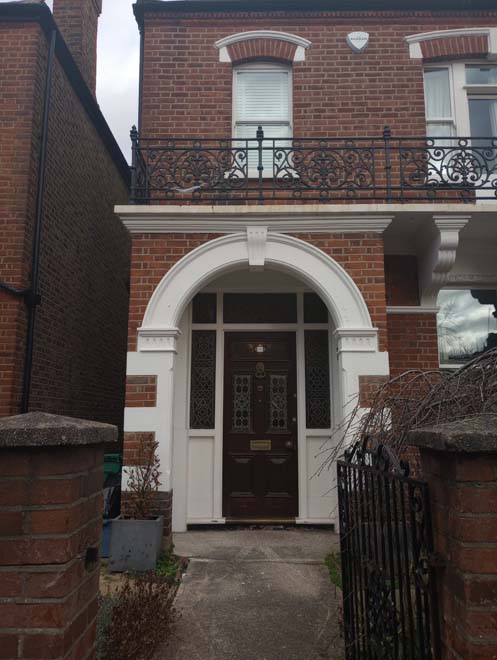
(195, 459)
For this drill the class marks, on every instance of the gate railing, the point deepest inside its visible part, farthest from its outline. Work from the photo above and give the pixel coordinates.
(389, 591)
(263, 169)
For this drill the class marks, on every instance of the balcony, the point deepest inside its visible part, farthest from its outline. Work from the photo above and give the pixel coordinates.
(263, 170)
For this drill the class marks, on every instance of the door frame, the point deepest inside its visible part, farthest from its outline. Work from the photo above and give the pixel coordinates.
(216, 434)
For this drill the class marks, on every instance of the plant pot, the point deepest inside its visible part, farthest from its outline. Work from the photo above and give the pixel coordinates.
(106, 536)
(135, 545)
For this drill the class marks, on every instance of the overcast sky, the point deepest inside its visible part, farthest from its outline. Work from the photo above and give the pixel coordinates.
(118, 68)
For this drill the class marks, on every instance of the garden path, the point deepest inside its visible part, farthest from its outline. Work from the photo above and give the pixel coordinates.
(256, 594)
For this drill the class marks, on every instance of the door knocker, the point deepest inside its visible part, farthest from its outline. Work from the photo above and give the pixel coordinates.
(260, 370)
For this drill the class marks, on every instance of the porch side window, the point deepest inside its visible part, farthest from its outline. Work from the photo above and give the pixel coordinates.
(438, 103)
(261, 97)
(317, 380)
(203, 379)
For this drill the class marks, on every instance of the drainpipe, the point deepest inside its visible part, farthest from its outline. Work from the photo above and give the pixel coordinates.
(140, 82)
(32, 297)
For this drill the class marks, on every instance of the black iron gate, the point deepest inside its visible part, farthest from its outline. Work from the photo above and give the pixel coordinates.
(389, 592)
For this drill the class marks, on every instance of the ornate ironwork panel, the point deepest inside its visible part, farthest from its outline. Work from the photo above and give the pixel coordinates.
(203, 380)
(317, 380)
(389, 595)
(362, 169)
(278, 402)
(242, 403)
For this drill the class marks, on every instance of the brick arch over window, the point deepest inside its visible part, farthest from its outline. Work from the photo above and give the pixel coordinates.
(454, 44)
(262, 44)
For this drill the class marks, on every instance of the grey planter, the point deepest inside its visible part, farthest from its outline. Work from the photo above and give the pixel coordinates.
(135, 545)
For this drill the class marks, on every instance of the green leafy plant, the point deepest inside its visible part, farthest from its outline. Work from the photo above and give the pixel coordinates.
(334, 565)
(168, 565)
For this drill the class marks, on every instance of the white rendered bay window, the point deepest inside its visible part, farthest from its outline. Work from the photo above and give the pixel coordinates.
(461, 102)
(440, 121)
(262, 96)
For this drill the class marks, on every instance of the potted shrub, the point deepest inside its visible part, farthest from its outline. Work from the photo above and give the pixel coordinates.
(136, 540)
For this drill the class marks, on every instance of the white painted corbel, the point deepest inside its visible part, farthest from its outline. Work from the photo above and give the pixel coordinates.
(157, 340)
(256, 246)
(438, 255)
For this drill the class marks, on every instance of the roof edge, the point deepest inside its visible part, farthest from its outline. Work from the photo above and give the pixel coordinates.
(31, 12)
(190, 6)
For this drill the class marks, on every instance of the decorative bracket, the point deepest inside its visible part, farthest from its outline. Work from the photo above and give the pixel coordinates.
(157, 340)
(356, 340)
(439, 255)
(256, 245)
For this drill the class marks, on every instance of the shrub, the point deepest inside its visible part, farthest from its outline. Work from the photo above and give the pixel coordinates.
(144, 482)
(142, 618)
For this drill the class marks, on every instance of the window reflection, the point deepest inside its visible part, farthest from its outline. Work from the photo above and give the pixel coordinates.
(467, 324)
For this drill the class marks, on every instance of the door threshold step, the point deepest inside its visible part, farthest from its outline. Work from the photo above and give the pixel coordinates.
(260, 521)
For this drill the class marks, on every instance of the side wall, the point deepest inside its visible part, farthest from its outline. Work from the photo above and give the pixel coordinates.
(22, 70)
(79, 359)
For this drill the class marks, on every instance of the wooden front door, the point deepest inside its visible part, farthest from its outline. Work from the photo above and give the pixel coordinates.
(260, 479)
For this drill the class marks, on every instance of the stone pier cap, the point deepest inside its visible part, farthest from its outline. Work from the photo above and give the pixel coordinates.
(471, 435)
(39, 429)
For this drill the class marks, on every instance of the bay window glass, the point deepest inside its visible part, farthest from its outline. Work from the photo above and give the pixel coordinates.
(481, 75)
(467, 324)
(438, 103)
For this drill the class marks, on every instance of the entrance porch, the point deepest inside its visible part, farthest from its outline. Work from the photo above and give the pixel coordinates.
(256, 343)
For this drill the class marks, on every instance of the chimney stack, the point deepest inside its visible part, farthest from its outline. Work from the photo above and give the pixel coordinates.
(77, 21)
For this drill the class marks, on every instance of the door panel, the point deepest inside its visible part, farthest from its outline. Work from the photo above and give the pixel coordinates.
(260, 477)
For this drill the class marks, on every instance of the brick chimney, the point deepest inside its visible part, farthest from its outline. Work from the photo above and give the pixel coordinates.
(78, 22)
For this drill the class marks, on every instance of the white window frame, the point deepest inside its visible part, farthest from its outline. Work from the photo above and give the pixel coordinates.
(256, 67)
(442, 120)
(461, 93)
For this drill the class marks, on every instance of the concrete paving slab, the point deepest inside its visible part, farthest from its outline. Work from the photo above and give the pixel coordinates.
(256, 595)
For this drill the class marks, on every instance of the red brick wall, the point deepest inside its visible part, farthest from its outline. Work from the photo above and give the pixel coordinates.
(187, 91)
(22, 68)
(50, 515)
(79, 359)
(401, 279)
(151, 257)
(463, 498)
(141, 391)
(80, 332)
(78, 23)
(412, 342)
(455, 47)
(362, 257)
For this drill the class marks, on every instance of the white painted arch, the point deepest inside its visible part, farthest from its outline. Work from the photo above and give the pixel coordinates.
(337, 289)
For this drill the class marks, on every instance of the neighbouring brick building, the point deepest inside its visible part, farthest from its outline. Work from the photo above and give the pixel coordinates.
(294, 232)
(64, 255)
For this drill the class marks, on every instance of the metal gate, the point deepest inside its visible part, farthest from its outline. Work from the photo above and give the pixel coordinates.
(389, 592)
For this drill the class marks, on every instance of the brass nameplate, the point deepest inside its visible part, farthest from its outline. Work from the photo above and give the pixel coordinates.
(260, 445)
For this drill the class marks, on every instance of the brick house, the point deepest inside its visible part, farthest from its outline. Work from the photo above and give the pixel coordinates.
(294, 232)
(64, 255)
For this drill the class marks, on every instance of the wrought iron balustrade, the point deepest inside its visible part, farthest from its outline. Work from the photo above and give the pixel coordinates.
(327, 170)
